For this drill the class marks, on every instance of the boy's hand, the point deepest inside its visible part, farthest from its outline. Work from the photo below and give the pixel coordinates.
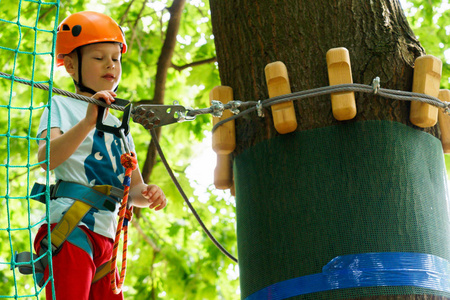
(92, 111)
(155, 197)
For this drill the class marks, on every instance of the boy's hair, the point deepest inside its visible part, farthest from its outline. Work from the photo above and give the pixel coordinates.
(85, 28)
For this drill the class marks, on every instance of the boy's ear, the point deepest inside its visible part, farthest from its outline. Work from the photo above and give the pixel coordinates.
(69, 64)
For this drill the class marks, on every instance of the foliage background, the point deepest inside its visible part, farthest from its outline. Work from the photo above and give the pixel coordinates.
(169, 256)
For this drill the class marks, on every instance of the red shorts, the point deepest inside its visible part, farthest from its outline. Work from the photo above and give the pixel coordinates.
(74, 268)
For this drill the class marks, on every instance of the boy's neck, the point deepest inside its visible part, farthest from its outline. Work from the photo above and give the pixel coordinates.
(87, 94)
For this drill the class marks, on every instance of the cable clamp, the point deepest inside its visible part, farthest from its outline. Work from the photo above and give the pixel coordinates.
(376, 85)
(186, 116)
(183, 114)
(235, 104)
(217, 108)
(259, 109)
(447, 108)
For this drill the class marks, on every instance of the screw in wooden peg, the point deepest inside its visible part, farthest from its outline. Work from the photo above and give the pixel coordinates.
(278, 84)
(426, 80)
(340, 72)
(224, 137)
(223, 177)
(444, 121)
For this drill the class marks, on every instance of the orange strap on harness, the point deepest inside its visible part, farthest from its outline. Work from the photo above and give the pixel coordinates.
(129, 162)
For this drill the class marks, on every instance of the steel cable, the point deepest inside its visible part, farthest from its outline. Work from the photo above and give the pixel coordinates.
(180, 189)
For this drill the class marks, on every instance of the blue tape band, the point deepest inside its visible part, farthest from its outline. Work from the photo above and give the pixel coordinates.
(366, 270)
(126, 181)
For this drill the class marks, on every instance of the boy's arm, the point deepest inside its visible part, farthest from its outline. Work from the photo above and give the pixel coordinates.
(144, 195)
(63, 145)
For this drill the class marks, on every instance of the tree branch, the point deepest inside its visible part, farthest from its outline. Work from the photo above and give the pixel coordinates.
(165, 59)
(144, 236)
(12, 179)
(195, 63)
(164, 63)
(133, 34)
(125, 14)
(150, 159)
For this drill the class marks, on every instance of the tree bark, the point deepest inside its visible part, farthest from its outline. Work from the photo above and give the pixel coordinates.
(250, 34)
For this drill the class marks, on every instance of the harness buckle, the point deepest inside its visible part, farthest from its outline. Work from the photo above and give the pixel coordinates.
(29, 263)
(44, 246)
(54, 189)
(125, 119)
(124, 140)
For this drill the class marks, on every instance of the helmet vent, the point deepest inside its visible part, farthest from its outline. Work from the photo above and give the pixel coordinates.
(65, 27)
(76, 30)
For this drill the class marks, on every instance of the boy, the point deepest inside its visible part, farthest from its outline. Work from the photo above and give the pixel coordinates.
(89, 45)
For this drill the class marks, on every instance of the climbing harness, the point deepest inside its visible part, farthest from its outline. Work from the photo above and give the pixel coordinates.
(101, 197)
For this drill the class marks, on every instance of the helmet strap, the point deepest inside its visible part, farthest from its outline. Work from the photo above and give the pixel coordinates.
(79, 84)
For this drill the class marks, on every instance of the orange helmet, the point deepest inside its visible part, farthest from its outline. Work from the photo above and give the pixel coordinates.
(84, 28)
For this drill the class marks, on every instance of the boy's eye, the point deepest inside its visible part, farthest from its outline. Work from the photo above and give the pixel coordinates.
(98, 58)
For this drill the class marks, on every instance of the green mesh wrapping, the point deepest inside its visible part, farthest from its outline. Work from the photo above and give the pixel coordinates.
(307, 197)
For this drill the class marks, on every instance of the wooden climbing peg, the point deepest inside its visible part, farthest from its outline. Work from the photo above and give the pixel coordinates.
(223, 139)
(340, 72)
(444, 122)
(426, 80)
(223, 177)
(278, 84)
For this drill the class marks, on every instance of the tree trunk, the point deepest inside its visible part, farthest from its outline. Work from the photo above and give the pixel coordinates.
(249, 35)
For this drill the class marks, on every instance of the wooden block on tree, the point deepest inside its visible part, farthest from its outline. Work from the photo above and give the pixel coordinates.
(444, 121)
(223, 177)
(283, 114)
(427, 79)
(224, 138)
(340, 72)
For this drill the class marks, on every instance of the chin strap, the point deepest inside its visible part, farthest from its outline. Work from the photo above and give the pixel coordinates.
(79, 84)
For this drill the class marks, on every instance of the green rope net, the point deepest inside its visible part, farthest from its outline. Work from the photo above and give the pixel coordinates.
(27, 42)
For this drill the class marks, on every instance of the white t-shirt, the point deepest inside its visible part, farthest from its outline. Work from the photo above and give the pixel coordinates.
(95, 162)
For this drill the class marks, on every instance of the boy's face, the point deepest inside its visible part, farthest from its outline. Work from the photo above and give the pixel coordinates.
(101, 66)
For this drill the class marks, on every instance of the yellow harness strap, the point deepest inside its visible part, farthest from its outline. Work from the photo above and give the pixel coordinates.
(104, 189)
(102, 271)
(69, 222)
